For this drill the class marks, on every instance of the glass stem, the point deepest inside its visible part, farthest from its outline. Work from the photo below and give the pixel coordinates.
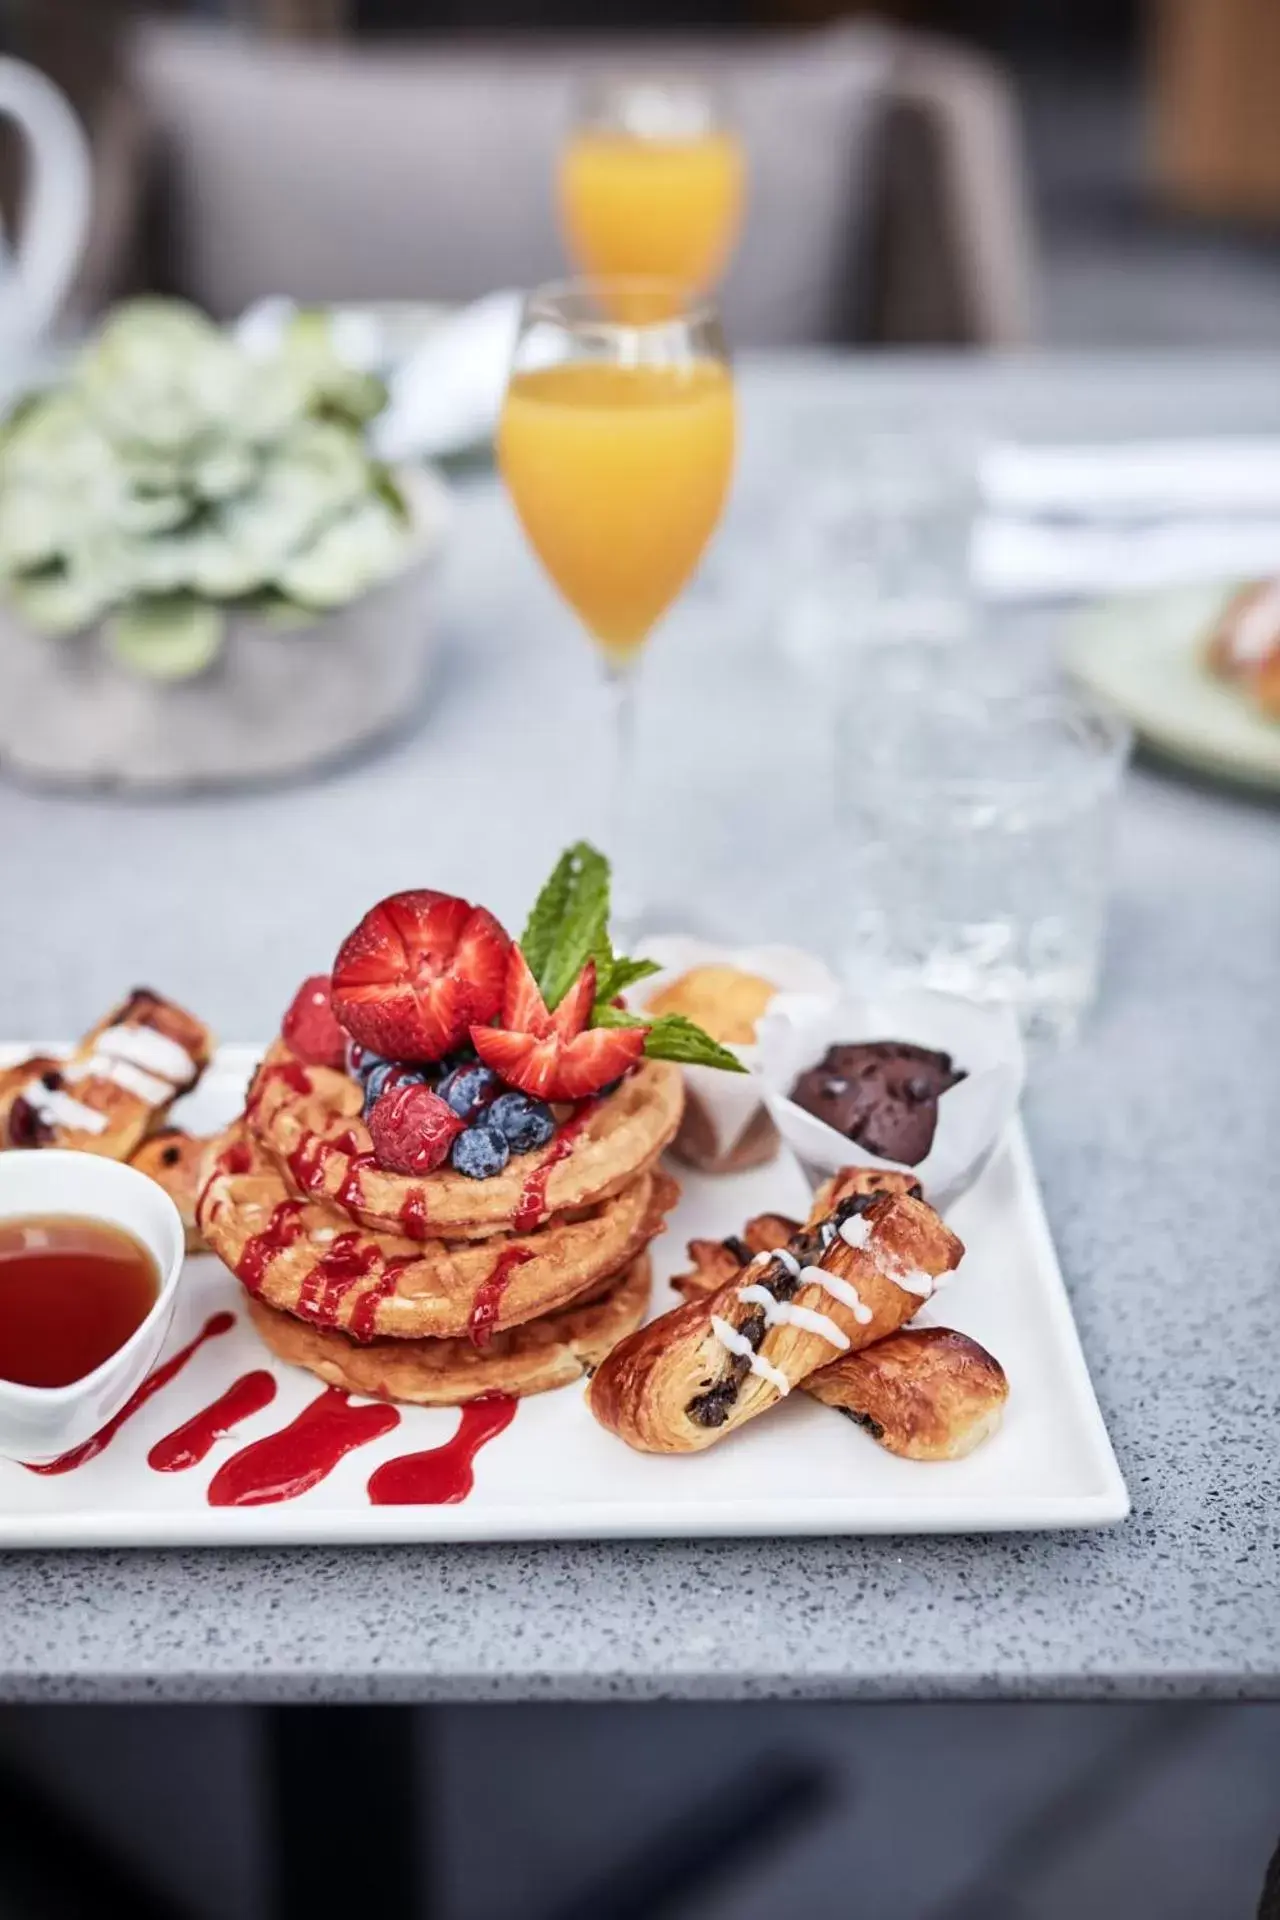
(619, 687)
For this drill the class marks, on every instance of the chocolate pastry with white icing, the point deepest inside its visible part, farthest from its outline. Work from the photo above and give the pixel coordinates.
(923, 1393)
(856, 1272)
(881, 1094)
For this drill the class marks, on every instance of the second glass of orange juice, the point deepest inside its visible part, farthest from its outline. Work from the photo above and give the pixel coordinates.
(616, 443)
(652, 182)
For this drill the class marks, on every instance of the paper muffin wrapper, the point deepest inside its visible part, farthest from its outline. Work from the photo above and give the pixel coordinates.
(983, 1040)
(730, 1100)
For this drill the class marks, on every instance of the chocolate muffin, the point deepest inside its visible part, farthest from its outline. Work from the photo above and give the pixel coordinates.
(881, 1094)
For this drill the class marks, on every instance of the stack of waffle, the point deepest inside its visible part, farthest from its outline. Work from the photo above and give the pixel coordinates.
(438, 1288)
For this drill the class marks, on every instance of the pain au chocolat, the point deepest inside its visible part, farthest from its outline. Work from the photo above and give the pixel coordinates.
(855, 1273)
(923, 1393)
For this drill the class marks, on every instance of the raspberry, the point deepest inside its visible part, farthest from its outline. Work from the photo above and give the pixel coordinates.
(310, 1028)
(412, 1129)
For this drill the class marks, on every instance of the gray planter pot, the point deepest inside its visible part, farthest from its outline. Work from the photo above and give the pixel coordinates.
(278, 701)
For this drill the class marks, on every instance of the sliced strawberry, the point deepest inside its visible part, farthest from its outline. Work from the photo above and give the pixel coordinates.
(309, 1027)
(555, 1069)
(521, 1059)
(596, 1058)
(420, 968)
(523, 1008)
(412, 1129)
(571, 1016)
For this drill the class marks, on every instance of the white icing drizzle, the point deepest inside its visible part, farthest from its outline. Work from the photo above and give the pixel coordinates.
(154, 1052)
(856, 1233)
(840, 1289)
(761, 1259)
(59, 1109)
(786, 1313)
(147, 1087)
(321, 1235)
(913, 1280)
(741, 1348)
(787, 1261)
(826, 1233)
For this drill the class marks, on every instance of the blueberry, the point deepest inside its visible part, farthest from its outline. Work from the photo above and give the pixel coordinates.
(386, 1074)
(524, 1122)
(467, 1089)
(361, 1061)
(480, 1152)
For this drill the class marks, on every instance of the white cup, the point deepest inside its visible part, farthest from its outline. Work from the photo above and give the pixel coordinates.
(39, 1423)
(36, 274)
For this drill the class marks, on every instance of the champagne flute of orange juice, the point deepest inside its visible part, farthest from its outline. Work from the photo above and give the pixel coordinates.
(616, 443)
(652, 181)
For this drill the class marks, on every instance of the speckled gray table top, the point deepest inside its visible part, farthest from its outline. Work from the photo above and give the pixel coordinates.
(1156, 1139)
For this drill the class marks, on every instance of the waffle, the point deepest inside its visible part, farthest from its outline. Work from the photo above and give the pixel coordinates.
(537, 1357)
(300, 1256)
(309, 1118)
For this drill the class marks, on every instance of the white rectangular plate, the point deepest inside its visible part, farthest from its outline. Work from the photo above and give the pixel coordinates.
(555, 1474)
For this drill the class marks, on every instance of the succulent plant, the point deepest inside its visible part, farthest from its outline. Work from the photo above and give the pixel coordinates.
(174, 473)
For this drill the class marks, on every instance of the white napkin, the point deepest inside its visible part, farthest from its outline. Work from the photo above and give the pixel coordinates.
(447, 395)
(444, 395)
(1013, 559)
(1133, 480)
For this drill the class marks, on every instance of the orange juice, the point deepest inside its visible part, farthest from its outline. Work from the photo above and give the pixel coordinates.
(664, 207)
(619, 475)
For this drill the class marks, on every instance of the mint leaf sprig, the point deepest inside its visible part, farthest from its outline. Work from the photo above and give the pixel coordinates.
(569, 925)
(673, 1037)
(569, 921)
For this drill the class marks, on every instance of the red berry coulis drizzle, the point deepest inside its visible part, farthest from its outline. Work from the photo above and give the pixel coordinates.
(188, 1444)
(306, 1162)
(285, 1464)
(533, 1198)
(488, 1298)
(350, 1194)
(290, 1073)
(89, 1449)
(237, 1158)
(364, 1311)
(413, 1215)
(351, 1258)
(442, 1476)
(280, 1232)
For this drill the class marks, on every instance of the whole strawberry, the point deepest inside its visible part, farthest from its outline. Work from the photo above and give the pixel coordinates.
(309, 1028)
(412, 1129)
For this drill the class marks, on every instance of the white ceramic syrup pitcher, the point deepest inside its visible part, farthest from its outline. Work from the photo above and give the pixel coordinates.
(36, 274)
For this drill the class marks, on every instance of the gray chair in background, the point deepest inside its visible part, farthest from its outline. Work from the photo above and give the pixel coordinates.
(888, 195)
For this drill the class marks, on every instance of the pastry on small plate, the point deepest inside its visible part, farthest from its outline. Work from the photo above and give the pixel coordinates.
(1244, 645)
(115, 1088)
(728, 992)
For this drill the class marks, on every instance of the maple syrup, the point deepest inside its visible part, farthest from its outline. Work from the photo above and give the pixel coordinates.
(72, 1291)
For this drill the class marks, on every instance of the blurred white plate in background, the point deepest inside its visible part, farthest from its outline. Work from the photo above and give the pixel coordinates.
(1142, 656)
